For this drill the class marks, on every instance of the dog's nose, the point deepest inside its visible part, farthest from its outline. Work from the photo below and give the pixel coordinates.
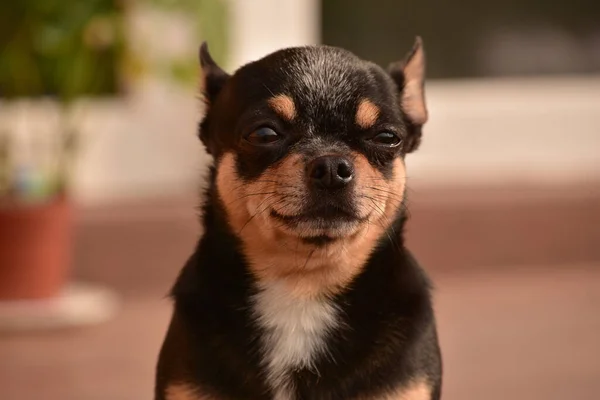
(330, 172)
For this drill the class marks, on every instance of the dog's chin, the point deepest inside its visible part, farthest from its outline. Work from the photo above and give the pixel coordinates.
(320, 227)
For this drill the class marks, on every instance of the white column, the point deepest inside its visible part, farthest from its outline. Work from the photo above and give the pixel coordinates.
(259, 27)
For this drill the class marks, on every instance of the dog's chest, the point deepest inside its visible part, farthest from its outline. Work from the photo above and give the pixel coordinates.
(295, 334)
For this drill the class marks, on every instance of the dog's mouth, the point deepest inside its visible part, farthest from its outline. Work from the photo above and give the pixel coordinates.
(329, 214)
(321, 224)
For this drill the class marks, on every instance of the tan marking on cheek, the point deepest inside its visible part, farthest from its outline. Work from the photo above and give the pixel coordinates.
(270, 252)
(278, 188)
(310, 271)
(366, 114)
(283, 105)
(247, 204)
(288, 180)
(182, 391)
(371, 187)
(231, 190)
(381, 198)
(275, 255)
(396, 187)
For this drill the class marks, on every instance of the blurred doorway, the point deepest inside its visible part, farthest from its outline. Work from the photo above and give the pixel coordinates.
(473, 39)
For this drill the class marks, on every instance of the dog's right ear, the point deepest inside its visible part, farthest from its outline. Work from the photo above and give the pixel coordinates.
(213, 77)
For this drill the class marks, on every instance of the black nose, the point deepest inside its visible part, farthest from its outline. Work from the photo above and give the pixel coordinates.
(330, 172)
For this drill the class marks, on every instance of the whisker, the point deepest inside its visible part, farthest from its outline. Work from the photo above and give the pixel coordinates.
(278, 184)
(249, 195)
(270, 91)
(309, 257)
(258, 211)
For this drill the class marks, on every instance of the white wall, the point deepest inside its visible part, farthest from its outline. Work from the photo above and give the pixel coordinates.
(144, 146)
(511, 130)
(259, 27)
(491, 131)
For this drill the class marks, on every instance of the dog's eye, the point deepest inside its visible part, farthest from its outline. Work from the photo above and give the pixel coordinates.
(263, 135)
(386, 138)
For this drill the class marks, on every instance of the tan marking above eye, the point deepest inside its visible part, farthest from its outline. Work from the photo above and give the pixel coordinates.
(283, 105)
(366, 114)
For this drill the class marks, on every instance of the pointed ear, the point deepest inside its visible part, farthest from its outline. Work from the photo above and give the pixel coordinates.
(213, 77)
(212, 80)
(409, 76)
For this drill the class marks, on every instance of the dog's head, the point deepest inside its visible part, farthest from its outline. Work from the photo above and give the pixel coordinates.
(309, 147)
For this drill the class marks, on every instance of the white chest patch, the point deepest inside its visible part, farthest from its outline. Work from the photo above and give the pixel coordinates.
(296, 330)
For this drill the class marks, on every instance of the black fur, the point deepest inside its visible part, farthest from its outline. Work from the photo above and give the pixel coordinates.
(388, 336)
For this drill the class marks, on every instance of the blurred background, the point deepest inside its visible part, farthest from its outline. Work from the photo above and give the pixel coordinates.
(100, 171)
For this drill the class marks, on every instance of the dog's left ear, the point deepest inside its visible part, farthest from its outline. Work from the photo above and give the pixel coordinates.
(409, 76)
(213, 77)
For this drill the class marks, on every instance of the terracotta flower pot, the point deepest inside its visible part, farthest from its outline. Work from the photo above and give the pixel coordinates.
(35, 250)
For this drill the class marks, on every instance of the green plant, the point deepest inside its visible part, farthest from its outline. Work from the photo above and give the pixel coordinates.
(210, 17)
(73, 48)
(60, 48)
(68, 49)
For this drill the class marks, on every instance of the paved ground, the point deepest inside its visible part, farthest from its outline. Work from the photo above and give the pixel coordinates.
(506, 332)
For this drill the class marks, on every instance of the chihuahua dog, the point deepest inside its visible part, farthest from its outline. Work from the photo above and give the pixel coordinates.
(301, 287)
